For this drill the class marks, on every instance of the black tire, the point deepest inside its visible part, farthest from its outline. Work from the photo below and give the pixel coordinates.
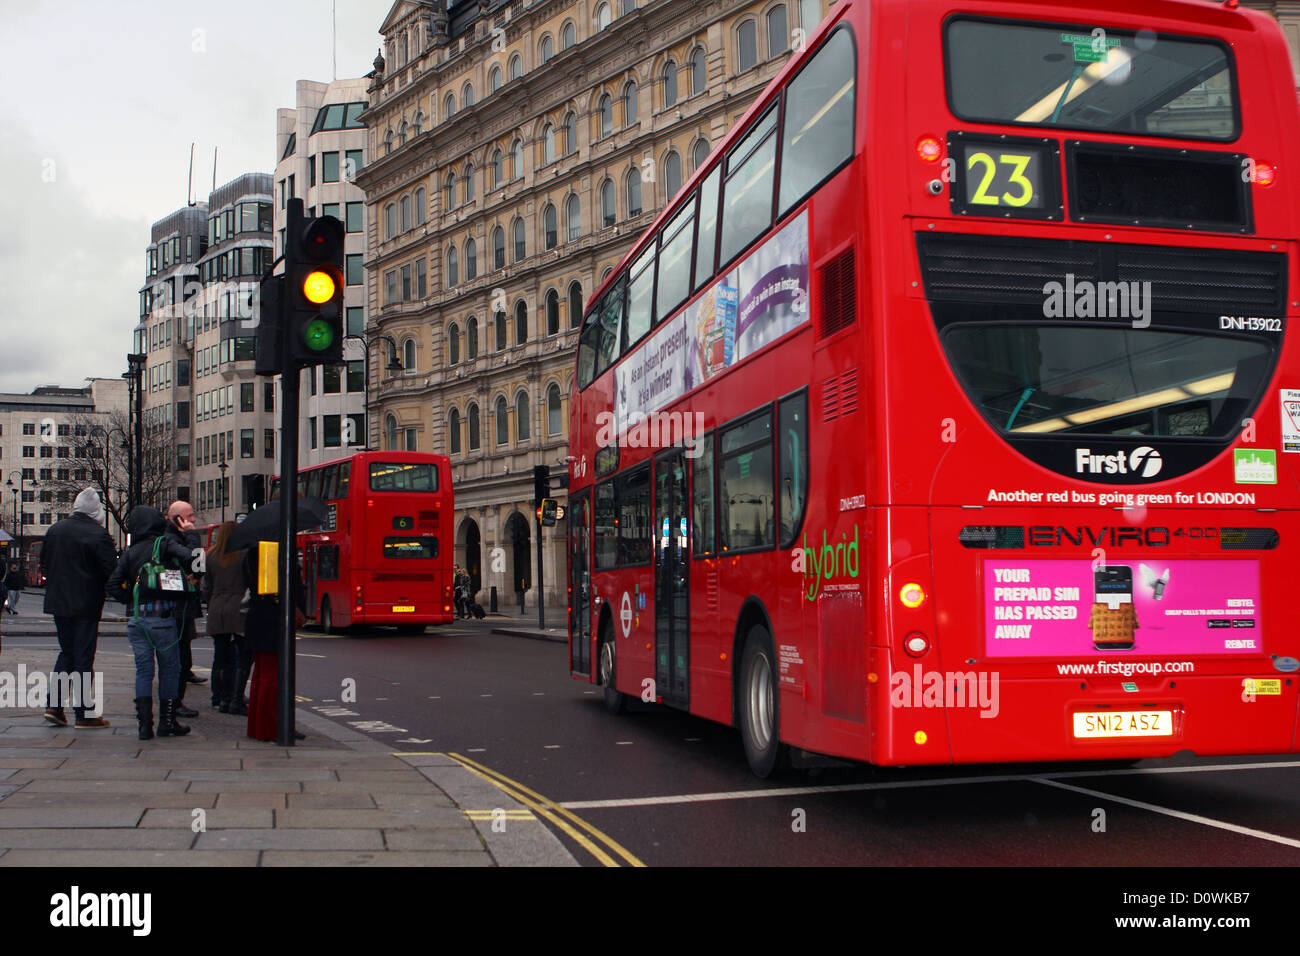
(759, 706)
(410, 629)
(615, 700)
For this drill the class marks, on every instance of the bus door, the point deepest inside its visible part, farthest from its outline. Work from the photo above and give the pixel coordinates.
(672, 580)
(580, 584)
(309, 578)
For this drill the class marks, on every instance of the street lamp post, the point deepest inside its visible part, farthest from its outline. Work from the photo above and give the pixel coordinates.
(222, 468)
(135, 362)
(394, 365)
(21, 486)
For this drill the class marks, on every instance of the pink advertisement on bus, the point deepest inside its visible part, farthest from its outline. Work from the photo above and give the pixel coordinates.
(1074, 608)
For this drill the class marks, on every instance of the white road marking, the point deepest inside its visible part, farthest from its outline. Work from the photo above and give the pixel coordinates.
(476, 750)
(539, 693)
(550, 746)
(435, 698)
(485, 695)
(1176, 814)
(905, 785)
(303, 654)
(623, 743)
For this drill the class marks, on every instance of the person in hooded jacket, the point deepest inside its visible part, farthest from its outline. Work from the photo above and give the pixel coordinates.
(156, 612)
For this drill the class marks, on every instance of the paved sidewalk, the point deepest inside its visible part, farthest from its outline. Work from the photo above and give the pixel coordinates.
(511, 622)
(216, 798)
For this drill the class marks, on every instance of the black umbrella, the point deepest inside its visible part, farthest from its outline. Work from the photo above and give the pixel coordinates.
(264, 523)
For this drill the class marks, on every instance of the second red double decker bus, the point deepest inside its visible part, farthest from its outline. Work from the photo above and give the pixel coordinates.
(951, 412)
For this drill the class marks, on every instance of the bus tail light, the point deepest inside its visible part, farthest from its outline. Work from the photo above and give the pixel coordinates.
(916, 644)
(929, 149)
(357, 596)
(912, 595)
(1265, 174)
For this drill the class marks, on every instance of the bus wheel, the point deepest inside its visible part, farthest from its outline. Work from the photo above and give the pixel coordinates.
(760, 711)
(327, 617)
(615, 700)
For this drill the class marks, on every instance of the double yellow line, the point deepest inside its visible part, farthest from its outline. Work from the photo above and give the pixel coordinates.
(577, 829)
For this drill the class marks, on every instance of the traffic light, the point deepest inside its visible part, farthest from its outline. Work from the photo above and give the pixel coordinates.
(541, 484)
(313, 291)
(548, 511)
(269, 357)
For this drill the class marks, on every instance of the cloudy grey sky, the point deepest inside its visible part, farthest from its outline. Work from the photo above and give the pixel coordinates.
(99, 106)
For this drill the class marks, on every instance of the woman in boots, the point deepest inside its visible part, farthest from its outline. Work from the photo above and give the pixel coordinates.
(224, 586)
(150, 580)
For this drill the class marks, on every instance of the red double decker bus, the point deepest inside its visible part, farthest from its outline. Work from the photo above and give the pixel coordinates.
(384, 556)
(950, 412)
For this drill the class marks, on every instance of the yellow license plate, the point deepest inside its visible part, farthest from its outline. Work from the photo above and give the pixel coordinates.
(1124, 723)
(403, 609)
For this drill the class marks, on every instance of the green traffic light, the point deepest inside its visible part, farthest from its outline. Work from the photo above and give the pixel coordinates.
(318, 336)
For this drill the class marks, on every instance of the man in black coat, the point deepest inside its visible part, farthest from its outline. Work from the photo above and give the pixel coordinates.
(76, 559)
(180, 528)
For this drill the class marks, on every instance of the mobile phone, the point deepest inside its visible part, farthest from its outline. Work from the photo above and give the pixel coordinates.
(1113, 616)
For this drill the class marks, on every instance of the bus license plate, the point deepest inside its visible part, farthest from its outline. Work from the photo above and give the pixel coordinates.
(1124, 723)
(403, 609)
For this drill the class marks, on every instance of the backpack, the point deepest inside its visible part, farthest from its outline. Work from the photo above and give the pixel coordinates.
(155, 581)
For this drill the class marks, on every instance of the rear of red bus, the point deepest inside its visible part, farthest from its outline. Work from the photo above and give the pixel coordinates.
(1081, 264)
(401, 514)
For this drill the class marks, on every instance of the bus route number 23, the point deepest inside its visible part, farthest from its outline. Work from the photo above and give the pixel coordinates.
(1007, 174)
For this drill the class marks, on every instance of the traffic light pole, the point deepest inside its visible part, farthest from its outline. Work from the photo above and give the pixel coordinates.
(286, 694)
(541, 592)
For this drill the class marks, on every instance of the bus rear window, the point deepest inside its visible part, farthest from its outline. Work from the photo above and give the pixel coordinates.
(410, 547)
(403, 476)
(1074, 77)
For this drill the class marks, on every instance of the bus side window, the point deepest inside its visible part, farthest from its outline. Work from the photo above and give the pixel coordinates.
(329, 482)
(588, 347)
(640, 296)
(675, 262)
(793, 447)
(611, 327)
(747, 193)
(818, 131)
(707, 240)
(314, 483)
(702, 498)
(327, 562)
(747, 507)
(606, 527)
(634, 539)
(345, 471)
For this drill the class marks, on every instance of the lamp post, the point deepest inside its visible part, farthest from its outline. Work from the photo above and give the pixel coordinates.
(135, 362)
(393, 365)
(222, 468)
(21, 486)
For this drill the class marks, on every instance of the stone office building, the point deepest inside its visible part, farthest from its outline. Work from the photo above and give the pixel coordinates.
(516, 152)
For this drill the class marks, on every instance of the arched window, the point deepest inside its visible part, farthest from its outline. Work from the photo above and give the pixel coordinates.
(498, 248)
(568, 36)
(606, 115)
(672, 175)
(449, 106)
(634, 193)
(521, 323)
(629, 103)
(419, 122)
(467, 182)
(453, 272)
(699, 81)
(607, 210)
(406, 213)
(516, 67)
(549, 226)
(523, 431)
(553, 423)
(472, 414)
(467, 96)
(401, 134)
(471, 260)
(670, 83)
(516, 160)
(499, 321)
(778, 37)
(449, 191)
(420, 204)
(453, 344)
(388, 142)
(552, 312)
(494, 79)
(498, 173)
(390, 221)
(575, 304)
(402, 50)
(701, 152)
(602, 16)
(570, 133)
(547, 49)
(520, 249)
(503, 422)
(548, 144)
(574, 215)
(453, 431)
(390, 433)
(746, 45)
(471, 339)
(408, 355)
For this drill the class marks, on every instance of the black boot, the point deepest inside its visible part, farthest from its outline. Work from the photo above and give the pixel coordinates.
(181, 709)
(220, 696)
(144, 717)
(237, 703)
(167, 726)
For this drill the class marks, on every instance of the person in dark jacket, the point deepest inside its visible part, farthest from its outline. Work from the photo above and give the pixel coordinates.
(76, 560)
(224, 586)
(156, 609)
(180, 526)
(262, 641)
